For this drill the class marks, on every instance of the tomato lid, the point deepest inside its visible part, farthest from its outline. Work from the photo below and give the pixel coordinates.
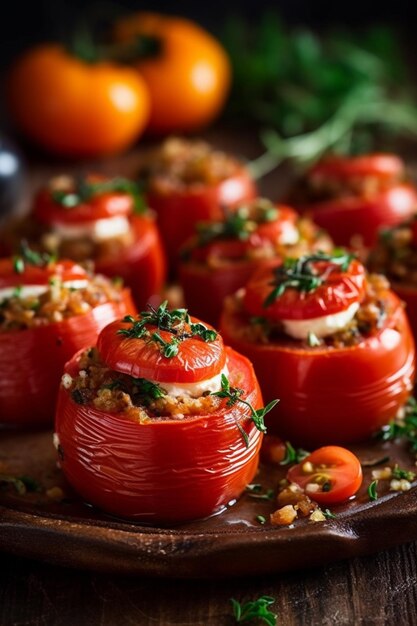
(67, 200)
(163, 345)
(305, 288)
(341, 167)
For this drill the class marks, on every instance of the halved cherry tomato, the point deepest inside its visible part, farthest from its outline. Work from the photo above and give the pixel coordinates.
(188, 76)
(349, 214)
(196, 359)
(165, 470)
(336, 471)
(337, 292)
(328, 394)
(32, 359)
(77, 108)
(179, 211)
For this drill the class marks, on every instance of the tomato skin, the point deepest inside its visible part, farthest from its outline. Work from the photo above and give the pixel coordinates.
(65, 270)
(142, 266)
(196, 359)
(179, 212)
(32, 361)
(62, 116)
(380, 165)
(337, 293)
(189, 80)
(332, 395)
(165, 471)
(344, 471)
(344, 218)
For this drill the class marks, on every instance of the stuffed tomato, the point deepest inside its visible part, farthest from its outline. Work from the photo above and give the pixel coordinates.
(188, 182)
(332, 342)
(395, 255)
(159, 422)
(354, 197)
(102, 219)
(48, 311)
(223, 255)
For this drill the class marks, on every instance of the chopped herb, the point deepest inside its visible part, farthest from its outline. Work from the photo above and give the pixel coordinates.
(233, 395)
(30, 257)
(400, 474)
(312, 340)
(202, 331)
(255, 487)
(293, 455)
(404, 429)
(148, 388)
(269, 494)
(256, 609)
(22, 484)
(261, 519)
(18, 265)
(328, 514)
(375, 462)
(372, 492)
(301, 274)
(30, 483)
(169, 348)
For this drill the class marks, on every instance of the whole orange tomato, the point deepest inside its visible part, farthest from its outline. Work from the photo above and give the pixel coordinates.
(75, 108)
(188, 73)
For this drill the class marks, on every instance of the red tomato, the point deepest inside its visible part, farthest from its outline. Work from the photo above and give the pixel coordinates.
(32, 361)
(11, 276)
(332, 395)
(164, 471)
(337, 470)
(196, 359)
(99, 206)
(338, 291)
(142, 265)
(179, 212)
(349, 214)
(379, 165)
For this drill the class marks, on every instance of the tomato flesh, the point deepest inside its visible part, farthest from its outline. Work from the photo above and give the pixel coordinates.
(336, 471)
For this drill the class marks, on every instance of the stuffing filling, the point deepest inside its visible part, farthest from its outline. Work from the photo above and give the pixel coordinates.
(396, 255)
(57, 303)
(179, 163)
(136, 398)
(371, 314)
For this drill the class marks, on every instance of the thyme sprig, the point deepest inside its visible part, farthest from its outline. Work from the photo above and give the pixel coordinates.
(303, 275)
(293, 455)
(234, 395)
(405, 428)
(84, 190)
(255, 609)
(27, 256)
(372, 491)
(175, 321)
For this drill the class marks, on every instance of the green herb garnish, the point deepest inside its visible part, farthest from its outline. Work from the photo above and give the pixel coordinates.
(293, 455)
(400, 474)
(148, 388)
(372, 492)
(85, 190)
(301, 273)
(255, 609)
(261, 519)
(403, 429)
(328, 514)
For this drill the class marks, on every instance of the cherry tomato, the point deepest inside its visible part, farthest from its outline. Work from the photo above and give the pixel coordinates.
(141, 263)
(180, 211)
(329, 394)
(348, 214)
(337, 292)
(196, 359)
(166, 470)
(76, 108)
(32, 359)
(188, 77)
(336, 471)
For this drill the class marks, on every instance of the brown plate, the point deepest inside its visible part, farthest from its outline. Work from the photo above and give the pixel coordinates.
(69, 532)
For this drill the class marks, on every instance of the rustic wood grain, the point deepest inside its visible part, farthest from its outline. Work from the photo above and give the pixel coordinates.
(376, 591)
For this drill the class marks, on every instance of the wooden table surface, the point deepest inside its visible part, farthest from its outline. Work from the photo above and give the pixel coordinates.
(375, 590)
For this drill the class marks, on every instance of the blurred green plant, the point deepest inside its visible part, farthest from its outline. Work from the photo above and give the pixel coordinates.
(312, 93)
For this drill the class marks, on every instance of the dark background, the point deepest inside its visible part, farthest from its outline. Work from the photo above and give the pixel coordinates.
(24, 23)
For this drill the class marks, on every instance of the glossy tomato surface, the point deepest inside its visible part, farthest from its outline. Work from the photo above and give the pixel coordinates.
(345, 218)
(32, 361)
(187, 76)
(163, 471)
(335, 467)
(76, 108)
(142, 265)
(332, 395)
(379, 165)
(178, 212)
